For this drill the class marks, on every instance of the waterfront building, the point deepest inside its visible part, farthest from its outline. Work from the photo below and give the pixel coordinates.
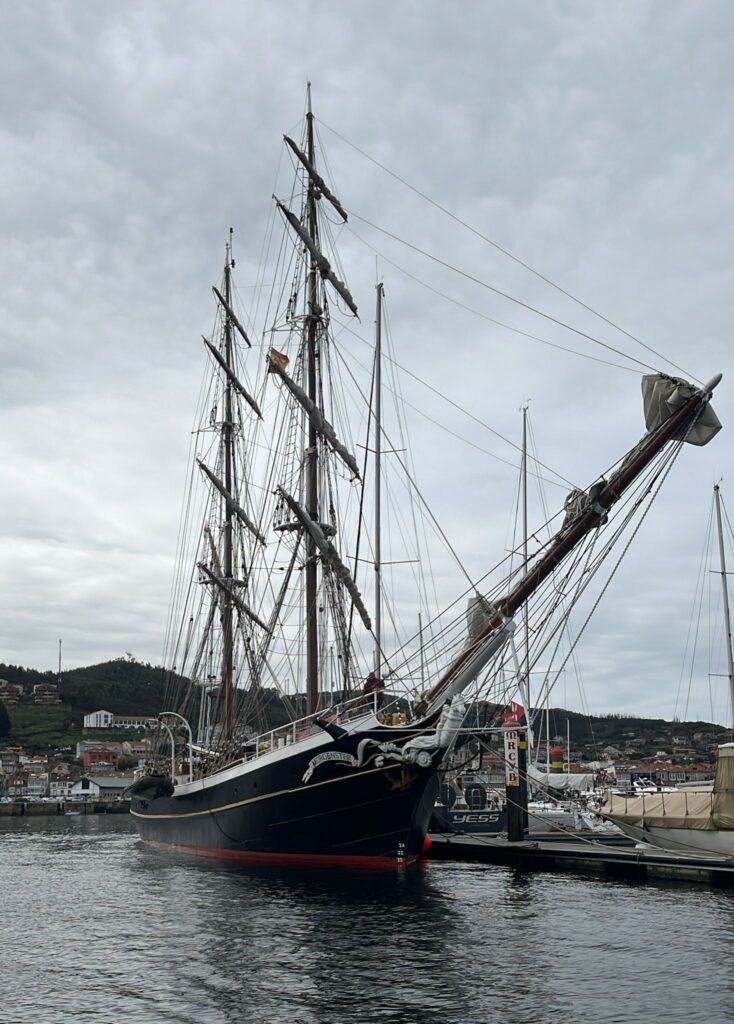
(17, 785)
(101, 787)
(37, 786)
(60, 789)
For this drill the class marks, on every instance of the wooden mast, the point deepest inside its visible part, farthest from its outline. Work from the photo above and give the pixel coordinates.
(312, 478)
(227, 566)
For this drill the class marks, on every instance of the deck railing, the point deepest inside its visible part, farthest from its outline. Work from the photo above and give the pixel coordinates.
(284, 735)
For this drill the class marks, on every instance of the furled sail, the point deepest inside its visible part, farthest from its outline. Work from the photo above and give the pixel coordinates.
(233, 504)
(317, 179)
(329, 553)
(318, 421)
(321, 261)
(232, 316)
(233, 379)
(236, 599)
(663, 395)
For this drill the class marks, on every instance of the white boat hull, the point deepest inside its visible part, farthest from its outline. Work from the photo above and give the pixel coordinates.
(682, 840)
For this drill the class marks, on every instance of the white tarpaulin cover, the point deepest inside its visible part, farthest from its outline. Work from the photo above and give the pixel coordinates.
(583, 781)
(663, 395)
(723, 813)
(708, 809)
(684, 809)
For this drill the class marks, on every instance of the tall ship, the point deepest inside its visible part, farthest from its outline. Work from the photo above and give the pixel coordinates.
(296, 725)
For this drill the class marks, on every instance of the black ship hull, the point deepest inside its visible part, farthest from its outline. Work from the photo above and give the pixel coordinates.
(322, 801)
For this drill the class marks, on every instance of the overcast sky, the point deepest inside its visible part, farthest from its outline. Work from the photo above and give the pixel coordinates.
(594, 141)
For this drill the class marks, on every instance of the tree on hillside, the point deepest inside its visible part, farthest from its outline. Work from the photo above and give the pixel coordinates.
(4, 721)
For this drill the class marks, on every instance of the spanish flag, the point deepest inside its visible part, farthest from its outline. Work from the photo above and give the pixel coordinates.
(277, 361)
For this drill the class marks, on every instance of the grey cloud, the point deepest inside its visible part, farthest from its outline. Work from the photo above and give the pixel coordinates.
(594, 142)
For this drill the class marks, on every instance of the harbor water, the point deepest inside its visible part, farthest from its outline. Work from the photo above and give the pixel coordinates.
(97, 927)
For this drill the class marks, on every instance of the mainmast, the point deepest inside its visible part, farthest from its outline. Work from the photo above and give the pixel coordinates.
(227, 566)
(312, 465)
(378, 483)
(308, 394)
(725, 589)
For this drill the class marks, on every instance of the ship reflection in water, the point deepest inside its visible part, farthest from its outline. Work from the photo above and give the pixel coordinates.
(103, 928)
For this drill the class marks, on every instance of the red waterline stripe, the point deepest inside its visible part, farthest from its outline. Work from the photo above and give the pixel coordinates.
(312, 859)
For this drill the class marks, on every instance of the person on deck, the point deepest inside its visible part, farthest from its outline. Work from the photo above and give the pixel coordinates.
(374, 685)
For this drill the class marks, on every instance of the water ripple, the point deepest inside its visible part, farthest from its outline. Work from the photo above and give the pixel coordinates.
(102, 929)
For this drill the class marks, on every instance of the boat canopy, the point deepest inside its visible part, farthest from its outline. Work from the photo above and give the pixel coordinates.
(562, 781)
(723, 812)
(703, 809)
(682, 809)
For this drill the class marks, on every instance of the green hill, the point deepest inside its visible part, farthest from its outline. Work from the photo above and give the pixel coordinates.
(126, 686)
(123, 686)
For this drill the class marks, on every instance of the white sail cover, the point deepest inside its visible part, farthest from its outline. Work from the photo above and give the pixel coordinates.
(663, 395)
(562, 781)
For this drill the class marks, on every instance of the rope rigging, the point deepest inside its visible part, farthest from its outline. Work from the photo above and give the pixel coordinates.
(507, 253)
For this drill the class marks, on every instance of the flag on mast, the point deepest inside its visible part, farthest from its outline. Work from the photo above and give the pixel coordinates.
(276, 358)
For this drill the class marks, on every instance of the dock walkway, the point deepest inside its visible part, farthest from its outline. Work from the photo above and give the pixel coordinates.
(608, 855)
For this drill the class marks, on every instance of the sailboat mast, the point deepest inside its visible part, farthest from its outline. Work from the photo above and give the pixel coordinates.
(227, 566)
(378, 483)
(525, 550)
(725, 589)
(312, 466)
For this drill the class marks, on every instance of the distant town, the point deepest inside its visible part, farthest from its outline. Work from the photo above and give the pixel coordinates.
(60, 743)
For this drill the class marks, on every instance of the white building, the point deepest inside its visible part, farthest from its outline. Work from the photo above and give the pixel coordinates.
(37, 786)
(106, 720)
(100, 788)
(98, 720)
(132, 721)
(60, 789)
